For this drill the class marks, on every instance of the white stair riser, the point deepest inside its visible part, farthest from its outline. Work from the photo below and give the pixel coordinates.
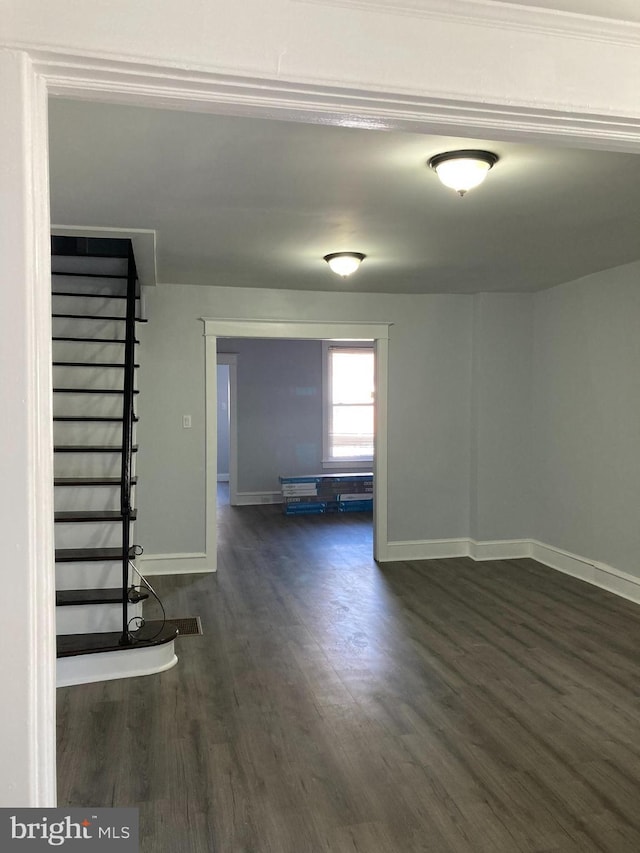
(107, 534)
(83, 351)
(90, 377)
(79, 263)
(84, 669)
(82, 328)
(88, 432)
(84, 405)
(92, 575)
(68, 498)
(91, 618)
(90, 304)
(88, 464)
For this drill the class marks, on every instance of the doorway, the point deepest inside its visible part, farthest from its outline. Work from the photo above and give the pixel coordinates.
(300, 330)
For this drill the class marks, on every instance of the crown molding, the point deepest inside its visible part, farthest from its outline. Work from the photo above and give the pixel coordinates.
(122, 80)
(509, 16)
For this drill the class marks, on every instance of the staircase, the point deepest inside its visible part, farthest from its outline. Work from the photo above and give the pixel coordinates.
(101, 632)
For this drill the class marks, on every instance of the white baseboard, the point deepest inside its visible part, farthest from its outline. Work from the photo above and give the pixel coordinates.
(425, 549)
(257, 498)
(599, 574)
(499, 549)
(174, 564)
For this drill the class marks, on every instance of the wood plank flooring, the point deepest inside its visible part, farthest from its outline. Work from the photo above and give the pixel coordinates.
(333, 705)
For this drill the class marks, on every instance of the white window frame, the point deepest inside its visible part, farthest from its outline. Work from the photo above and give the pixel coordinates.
(328, 461)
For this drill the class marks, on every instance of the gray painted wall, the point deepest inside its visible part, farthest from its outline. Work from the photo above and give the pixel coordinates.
(510, 416)
(279, 410)
(586, 405)
(223, 420)
(429, 407)
(501, 433)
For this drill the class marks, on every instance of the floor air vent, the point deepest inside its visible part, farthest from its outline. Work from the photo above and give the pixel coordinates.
(190, 625)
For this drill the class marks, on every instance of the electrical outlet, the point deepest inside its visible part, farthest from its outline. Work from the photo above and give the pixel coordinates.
(186, 422)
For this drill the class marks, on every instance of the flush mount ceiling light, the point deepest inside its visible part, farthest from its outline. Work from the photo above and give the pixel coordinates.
(344, 263)
(462, 170)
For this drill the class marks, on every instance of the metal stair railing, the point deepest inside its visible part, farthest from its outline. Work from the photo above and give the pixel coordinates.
(127, 440)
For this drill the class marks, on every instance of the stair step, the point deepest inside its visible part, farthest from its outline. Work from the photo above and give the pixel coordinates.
(100, 364)
(91, 515)
(90, 391)
(84, 419)
(90, 481)
(87, 555)
(91, 448)
(94, 317)
(154, 633)
(89, 275)
(69, 597)
(92, 340)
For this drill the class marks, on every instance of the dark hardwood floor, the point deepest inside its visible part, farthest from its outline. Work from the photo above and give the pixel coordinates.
(334, 705)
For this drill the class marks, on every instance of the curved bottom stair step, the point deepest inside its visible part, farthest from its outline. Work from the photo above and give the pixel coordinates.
(153, 633)
(87, 658)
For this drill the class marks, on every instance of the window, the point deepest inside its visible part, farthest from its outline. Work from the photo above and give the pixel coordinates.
(349, 403)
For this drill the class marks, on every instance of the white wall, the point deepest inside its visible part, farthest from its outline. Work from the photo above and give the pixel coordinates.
(429, 406)
(428, 48)
(27, 665)
(501, 506)
(586, 417)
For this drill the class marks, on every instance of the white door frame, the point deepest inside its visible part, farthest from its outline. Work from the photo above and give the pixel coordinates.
(25, 259)
(298, 330)
(231, 360)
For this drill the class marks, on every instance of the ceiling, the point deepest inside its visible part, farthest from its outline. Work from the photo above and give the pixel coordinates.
(247, 202)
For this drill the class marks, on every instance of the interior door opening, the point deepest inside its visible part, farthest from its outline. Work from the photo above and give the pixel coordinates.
(293, 331)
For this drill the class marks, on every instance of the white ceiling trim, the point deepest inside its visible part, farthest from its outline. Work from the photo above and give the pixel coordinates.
(123, 81)
(313, 330)
(511, 16)
(143, 240)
